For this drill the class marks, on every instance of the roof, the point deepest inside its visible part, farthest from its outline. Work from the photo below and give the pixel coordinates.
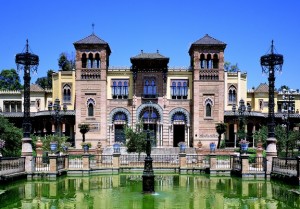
(91, 39)
(36, 88)
(262, 88)
(143, 55)
(208, 40)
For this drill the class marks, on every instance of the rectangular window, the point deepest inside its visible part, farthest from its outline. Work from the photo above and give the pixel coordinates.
(19, 106)
(179, 88)
(12, 106)
(119, 88)
(6, 106)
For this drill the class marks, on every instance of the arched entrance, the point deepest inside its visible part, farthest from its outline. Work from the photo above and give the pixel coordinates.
(118, 118)
(149, 117)
(180, 127)
(178, 120)
(119, 122)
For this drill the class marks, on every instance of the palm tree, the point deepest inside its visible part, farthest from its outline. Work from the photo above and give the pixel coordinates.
(220, 128)
(84, 128)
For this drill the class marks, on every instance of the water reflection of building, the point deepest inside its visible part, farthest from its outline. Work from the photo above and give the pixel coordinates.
(124, 191)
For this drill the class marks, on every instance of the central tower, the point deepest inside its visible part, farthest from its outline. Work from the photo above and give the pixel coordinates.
(92, 61)
(207, 63)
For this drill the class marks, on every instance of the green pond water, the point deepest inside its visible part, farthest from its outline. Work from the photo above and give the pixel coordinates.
(172, 191)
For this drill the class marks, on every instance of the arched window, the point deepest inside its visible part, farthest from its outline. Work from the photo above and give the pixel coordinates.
(120, 116)
(179, 116)
(125, 89)
(83, 60)
(216, 62)
(91, 110)
(146, 85)
(90, 61)
(232, 95)
(97, 61)
(90, 105)
(185, 90)
(202, 61)
(209, 61)
(149, 116)
(153, 88)
(179, 89)
(208, 108)
(119, 88)
(173, 90)
(66, 93)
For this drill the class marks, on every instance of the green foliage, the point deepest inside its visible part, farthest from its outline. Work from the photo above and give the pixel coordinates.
(50, 138)
(65, 63)
(10, 80)
(231, 68)
(261, 134)
(45, 82)
(280, 134)
(136, 140)
(12, 137)
(220, 128)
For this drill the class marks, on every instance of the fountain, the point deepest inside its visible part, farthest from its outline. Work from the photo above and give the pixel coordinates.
(148, 175)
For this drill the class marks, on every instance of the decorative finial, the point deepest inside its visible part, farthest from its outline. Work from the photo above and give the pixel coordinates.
(272, 47)
(157, 51)
(142, 51)
(93, 27)
(27, 46)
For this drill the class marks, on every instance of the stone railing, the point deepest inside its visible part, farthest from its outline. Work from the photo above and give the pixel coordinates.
(11, 165)
(213, 163)
(286, 166)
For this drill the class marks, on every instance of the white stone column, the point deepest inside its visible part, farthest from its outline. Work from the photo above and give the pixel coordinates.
(161, 134)
(110, 130)
(188, 135)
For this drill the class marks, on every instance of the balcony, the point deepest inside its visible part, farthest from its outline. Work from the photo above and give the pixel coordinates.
(150, 96)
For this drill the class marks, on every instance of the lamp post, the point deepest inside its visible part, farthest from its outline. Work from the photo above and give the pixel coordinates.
(288, 108)
(55, 112)
(28, 62)
(242, 112)
(270, 63)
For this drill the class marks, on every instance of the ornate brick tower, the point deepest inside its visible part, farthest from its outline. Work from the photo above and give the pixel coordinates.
(92, 61)
(207, 62)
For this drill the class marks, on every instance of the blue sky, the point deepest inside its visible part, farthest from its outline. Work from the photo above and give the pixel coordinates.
(247, 27)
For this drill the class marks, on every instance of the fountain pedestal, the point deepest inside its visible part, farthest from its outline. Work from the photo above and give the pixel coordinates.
(148, 174)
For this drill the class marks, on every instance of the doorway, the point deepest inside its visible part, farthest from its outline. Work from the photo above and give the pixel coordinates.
(178, 134)
(120, 134)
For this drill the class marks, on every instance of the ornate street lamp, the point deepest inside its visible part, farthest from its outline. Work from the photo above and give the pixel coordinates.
(289, 108)
(242, 112)
(28, 62)
(55, 112)
(148, 174)
(270, 63)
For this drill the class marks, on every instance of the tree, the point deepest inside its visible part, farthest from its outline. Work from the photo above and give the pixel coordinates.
(136, 140)
(231, 68)
(45, 82)
(221, 129)
(66, 63)
(12, 137)
(281, 88)
(280, 135)
(10, 80)
(261, 134)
